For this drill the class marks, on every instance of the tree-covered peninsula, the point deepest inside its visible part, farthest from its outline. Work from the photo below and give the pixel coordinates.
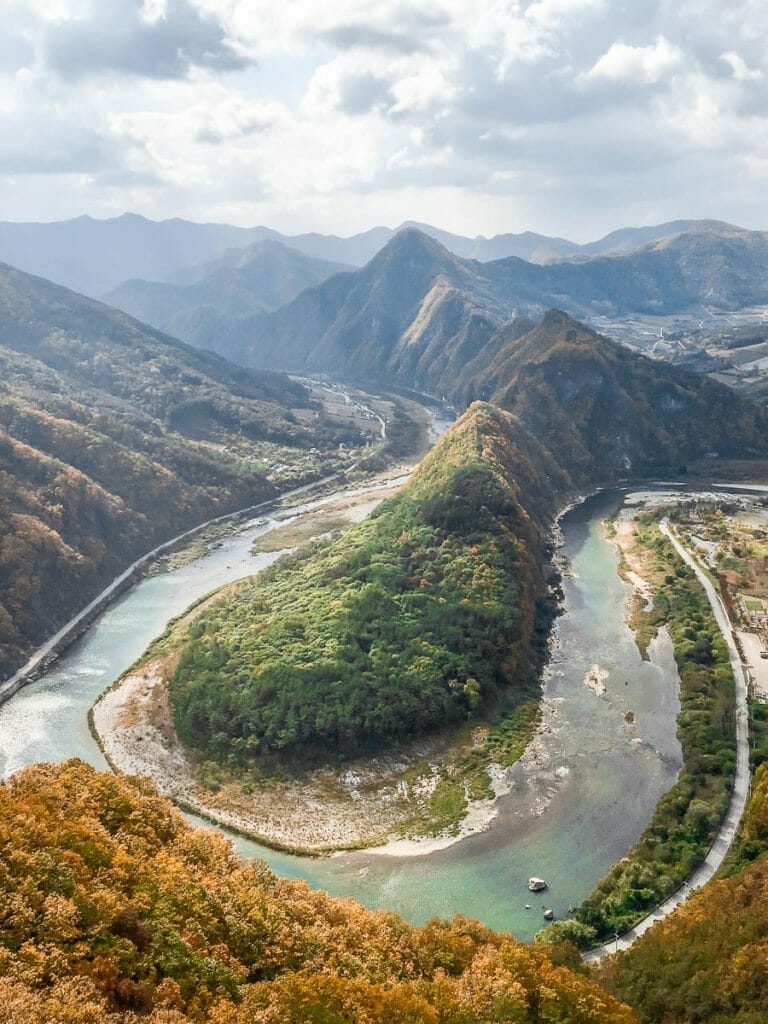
(414, 620)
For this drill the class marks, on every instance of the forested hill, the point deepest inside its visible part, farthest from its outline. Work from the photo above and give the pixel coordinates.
(413, 620)
(115, 911)
(112, 438)
(708, 961)
(605, 412)
(420, 616)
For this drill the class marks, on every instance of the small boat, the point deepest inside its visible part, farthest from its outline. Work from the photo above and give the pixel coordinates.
(537, 884)
(549, 914)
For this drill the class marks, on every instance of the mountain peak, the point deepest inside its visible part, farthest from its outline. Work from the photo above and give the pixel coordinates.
(558, 319)
(411, 241)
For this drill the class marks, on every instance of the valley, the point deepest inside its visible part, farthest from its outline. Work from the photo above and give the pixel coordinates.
(383, 512)
(566, 787)
(571, 783)
(404, 659)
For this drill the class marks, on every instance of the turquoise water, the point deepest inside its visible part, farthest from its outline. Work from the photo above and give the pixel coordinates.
(581, 797)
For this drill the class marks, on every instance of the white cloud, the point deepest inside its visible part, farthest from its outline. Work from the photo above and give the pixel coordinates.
(554, 115)
(741, 71)
(646, 65)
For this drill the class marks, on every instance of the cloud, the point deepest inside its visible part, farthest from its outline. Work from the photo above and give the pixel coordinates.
(352, 36)
(740, 69)
(486, 115)
(645, 65)
(160, 39)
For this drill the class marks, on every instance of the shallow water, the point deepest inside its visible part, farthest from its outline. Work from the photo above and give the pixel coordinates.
(580, 798)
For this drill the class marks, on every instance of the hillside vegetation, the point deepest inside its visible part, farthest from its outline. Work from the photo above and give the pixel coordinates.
(417, 618)
(114, 911)
(413, 620)
(605, 412)
(114, 437)
(708, 962)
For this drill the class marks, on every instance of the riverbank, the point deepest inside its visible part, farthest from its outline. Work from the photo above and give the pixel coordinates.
(415, 431)
(565, 817)
(413, 802)
(697, 820)
(729, 826)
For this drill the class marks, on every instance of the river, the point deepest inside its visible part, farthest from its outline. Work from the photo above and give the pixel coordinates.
(580, 798)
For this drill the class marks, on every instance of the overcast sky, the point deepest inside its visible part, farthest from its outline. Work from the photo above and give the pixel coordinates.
(568, 117)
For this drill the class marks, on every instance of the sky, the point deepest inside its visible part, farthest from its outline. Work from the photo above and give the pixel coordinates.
(567, 117)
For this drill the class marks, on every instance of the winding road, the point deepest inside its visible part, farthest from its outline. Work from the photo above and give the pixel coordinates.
(46, 652)
(28, 672)
(730, 825)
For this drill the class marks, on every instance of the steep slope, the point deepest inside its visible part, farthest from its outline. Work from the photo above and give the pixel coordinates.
(112, 438)
(604, 411)
(414, 620)
(261, 276)
(392, 319)
(115, 911)
(356, 321)
(707, 961)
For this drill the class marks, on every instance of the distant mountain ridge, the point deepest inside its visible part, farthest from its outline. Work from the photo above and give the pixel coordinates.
(94, 256)
(261, 277)
(418, 315)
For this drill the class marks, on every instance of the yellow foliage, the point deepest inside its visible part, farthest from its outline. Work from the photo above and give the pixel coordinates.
(114, 911)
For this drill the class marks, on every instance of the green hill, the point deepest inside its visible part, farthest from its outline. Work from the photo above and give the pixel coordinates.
(413, 620)
(418, 618)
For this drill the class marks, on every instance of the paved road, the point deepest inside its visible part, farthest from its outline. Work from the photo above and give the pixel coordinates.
(730, 824)
(27, 671)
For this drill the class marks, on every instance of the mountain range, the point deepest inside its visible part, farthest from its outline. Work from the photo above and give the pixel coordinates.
(419, 316)
(114, 436)
(94, 256)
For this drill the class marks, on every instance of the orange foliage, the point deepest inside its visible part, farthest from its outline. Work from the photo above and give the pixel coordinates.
(113, 910)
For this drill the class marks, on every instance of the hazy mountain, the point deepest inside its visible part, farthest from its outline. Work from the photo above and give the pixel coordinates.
(262, 276)
(626, 239)
(114, 437)
(417, 314)
(95, 256)
(526, 246)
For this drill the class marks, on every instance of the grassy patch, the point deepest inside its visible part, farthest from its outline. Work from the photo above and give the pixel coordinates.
(294, 534)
